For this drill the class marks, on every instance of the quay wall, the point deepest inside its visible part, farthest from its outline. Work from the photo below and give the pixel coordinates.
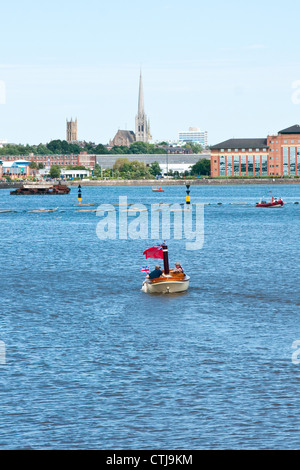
(166, 182)
(199, 181)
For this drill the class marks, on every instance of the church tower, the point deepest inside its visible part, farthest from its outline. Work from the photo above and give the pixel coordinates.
(142, 128)
(71, 131)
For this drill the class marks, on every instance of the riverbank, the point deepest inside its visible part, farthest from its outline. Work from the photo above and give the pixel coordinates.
(172, 182)
(196, 181)
(9, 185)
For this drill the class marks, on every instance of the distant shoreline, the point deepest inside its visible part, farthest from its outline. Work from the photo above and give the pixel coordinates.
(166, 182)
(202, 181)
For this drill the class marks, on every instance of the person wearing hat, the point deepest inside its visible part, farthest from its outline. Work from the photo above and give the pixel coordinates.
(156, 273)
(178, 268)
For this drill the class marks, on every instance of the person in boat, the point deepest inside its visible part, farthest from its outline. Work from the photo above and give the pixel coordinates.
(178, 268)
(156, 273)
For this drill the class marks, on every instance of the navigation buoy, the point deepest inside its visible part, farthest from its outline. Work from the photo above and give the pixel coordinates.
(188, 198)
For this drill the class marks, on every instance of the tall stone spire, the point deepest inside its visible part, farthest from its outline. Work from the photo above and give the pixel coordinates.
(141, 110)
(141, 123)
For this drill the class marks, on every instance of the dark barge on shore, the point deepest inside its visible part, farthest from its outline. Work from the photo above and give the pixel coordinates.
(41, 188)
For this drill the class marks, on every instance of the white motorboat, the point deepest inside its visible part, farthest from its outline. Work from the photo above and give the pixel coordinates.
(157, 189)
(168, 282)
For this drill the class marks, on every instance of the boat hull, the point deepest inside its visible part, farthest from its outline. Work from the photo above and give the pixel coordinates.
(166, 285)
(270, 204)
(33, 189)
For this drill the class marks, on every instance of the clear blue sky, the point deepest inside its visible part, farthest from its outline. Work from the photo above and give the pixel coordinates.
(226, 67)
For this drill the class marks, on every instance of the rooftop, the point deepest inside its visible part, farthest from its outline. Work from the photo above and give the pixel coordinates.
(295, 129)
(241, 144)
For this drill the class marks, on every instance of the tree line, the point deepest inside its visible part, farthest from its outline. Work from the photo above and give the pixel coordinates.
(126, 169)
(62, 147)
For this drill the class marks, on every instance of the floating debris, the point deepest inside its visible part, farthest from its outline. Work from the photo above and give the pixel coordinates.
(81, 205)
(44, 210)
(87, 210)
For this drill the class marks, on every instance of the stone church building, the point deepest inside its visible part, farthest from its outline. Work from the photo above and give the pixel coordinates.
(123, 138)
(142, 126)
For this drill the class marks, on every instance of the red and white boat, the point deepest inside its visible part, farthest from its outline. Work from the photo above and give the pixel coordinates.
(157, 189)
(275, 202)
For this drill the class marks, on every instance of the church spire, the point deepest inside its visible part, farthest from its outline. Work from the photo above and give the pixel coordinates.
(141, 110)
(141, 124)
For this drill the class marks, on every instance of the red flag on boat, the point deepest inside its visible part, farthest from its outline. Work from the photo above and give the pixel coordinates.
(154, 252)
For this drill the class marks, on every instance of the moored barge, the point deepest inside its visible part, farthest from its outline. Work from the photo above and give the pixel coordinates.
(41, 188)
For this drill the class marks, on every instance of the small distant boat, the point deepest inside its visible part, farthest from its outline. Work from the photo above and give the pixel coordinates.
(275, 202)
(168, 283)
(41, 188)
(157, 189)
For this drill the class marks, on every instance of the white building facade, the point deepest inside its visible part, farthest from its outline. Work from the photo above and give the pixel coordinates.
(194, 135)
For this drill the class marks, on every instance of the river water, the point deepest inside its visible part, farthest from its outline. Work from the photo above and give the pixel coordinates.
(89, 361)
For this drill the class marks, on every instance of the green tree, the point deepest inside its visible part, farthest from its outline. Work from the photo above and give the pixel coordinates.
(33, 165)
(41, 150)
(139, 170)
(10, 150)
(65, 147)
(202, 167)
(74, 148)
(159, 150)
(131, 170)
(97, 171)
(54, 146)
(196, 148)
(155, 169)
(139, 147)
(88, 147)
(55, 171)
(122, 165)
(100, 149)
(118, 149)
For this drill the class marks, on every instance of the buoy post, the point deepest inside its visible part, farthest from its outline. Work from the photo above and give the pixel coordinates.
(188, 198)
(79, 194)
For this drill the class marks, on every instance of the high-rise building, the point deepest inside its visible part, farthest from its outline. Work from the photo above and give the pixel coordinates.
(71, 131)
(195, 135)
(142, 126)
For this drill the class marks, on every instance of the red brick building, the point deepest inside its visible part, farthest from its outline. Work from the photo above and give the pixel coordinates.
(275, 155)
(83, 159)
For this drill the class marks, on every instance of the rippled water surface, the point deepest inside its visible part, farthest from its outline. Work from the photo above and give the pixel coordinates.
(92, 362)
